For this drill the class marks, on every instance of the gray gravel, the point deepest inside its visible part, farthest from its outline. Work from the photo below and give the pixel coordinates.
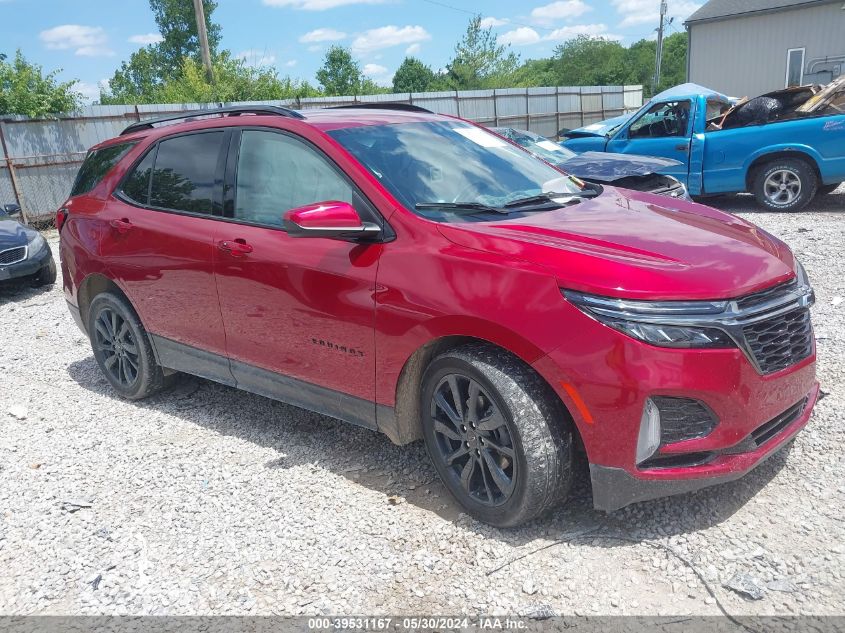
(206, 500)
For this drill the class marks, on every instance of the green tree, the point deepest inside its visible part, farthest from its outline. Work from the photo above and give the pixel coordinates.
(413, 76)
(340, 73)
(25, 89)
(673, 70)
(154, 64)
(480, 61)
(178, 27)
(590, 61)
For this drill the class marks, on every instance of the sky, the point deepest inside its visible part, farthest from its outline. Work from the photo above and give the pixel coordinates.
(87, 39)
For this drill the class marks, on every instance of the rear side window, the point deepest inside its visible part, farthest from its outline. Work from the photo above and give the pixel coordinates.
(178, 174)
(97, 164)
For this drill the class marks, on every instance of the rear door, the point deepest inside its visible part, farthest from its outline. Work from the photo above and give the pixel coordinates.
(298, 312)
(662, 130)
(159, 245)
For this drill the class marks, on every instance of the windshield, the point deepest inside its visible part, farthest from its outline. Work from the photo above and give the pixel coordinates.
(450, 162)
(536, 144)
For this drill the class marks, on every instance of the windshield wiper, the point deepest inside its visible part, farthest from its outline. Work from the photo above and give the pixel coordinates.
(551, 197)
(473, 207)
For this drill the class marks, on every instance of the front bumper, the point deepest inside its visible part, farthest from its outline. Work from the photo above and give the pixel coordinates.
(605, 377)
(615, 488)
(30, 266)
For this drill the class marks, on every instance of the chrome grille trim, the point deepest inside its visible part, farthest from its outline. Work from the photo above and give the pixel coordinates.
(10, 254)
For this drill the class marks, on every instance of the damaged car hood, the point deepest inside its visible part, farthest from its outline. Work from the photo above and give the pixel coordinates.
(607, 167)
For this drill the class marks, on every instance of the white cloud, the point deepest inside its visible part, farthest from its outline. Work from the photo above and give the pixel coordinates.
(146, 38)
(256, 58)
(318, 5)
(525, 36)
(87, 41)
(521, 36)
(560, 10)
(89, 92)
(323, 35)
(413, 49)
(378, 73)
(490, 23)
(387, 36)
(291, 63)
(636, 12)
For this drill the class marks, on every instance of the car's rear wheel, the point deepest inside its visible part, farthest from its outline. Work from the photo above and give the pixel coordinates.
(786, 184)
(122, 348)
(498, 438)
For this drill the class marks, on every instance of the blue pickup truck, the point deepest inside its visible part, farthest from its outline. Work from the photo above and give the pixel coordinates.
(784, 147)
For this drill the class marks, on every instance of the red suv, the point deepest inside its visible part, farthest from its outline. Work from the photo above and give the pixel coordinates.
(417, 275)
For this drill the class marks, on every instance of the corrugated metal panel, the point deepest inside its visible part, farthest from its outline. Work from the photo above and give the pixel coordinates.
(746, 56)
(47, 153)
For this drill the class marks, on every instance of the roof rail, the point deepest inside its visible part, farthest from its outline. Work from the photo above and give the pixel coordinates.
(378, 105)
(228, 110)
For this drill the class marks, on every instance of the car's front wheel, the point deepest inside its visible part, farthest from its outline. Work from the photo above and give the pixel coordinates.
(786, 184)
(122, 348)
(497, 436)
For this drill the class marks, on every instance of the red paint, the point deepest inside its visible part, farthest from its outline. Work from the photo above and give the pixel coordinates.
(264, 298)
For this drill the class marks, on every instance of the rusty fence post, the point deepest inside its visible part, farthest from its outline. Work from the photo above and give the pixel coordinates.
(16, 186)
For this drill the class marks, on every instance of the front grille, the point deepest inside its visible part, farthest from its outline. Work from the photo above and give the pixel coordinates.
(683, 419)
(767, 431)
(774, 292)
(12, 255)
(781, 341)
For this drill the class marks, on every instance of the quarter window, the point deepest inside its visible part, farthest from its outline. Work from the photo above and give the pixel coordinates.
(137, 183)
(183, 177)
(277, 173)
(97, 164)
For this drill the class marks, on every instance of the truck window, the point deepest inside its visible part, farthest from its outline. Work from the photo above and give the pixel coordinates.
(662, 120)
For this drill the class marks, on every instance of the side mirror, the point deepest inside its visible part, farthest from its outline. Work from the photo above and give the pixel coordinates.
(12, 209)
(332, 219)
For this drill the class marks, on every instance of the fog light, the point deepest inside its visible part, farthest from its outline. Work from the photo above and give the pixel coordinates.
(649, 438)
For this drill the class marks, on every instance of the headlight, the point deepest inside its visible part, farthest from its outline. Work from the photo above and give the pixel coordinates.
(36, 242)
(652, 321)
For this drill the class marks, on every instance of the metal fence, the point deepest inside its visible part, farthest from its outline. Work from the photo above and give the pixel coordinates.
(39, 158)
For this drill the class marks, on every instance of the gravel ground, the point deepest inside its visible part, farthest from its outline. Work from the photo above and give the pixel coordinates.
(206, 500)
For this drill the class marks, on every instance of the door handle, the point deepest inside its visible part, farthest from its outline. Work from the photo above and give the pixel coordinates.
(235, 248)
(683, 147)
(122, 226)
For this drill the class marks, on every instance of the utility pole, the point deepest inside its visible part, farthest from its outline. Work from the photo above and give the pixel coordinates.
(663, 10)
(202, 33)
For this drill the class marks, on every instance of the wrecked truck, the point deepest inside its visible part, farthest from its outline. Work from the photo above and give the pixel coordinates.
(784, 147)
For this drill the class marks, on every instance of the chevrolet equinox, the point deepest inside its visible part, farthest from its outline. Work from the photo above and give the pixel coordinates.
(415, 274)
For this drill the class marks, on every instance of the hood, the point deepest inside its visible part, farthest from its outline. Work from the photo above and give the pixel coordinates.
(638, 246)
(609, 167)
(601, 128)
(12, 233)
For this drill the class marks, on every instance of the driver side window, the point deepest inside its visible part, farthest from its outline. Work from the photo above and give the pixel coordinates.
(662, 120)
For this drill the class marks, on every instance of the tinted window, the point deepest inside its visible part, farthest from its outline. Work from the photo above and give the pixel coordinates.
(137, 184)
(97, 164)
(277, 173)
(184, 172)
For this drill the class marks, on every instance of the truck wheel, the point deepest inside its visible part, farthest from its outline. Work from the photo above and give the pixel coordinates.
(497, 436)
(786, 184)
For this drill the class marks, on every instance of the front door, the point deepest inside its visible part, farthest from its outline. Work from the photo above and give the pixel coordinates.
(298, 312)
(158, 243)
(662, 130)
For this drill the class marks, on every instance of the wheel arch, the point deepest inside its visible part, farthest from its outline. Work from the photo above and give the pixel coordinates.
(93, 285)
(403, 422)
(762, 157)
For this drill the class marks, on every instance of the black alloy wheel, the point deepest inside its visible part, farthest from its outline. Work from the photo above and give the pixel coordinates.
(114, 339)
(473, 440)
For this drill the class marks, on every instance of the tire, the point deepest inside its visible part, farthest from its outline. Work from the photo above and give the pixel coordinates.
(134, 375)
(826, 189)
(46, 276)
(798, 177)
(528, 451)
